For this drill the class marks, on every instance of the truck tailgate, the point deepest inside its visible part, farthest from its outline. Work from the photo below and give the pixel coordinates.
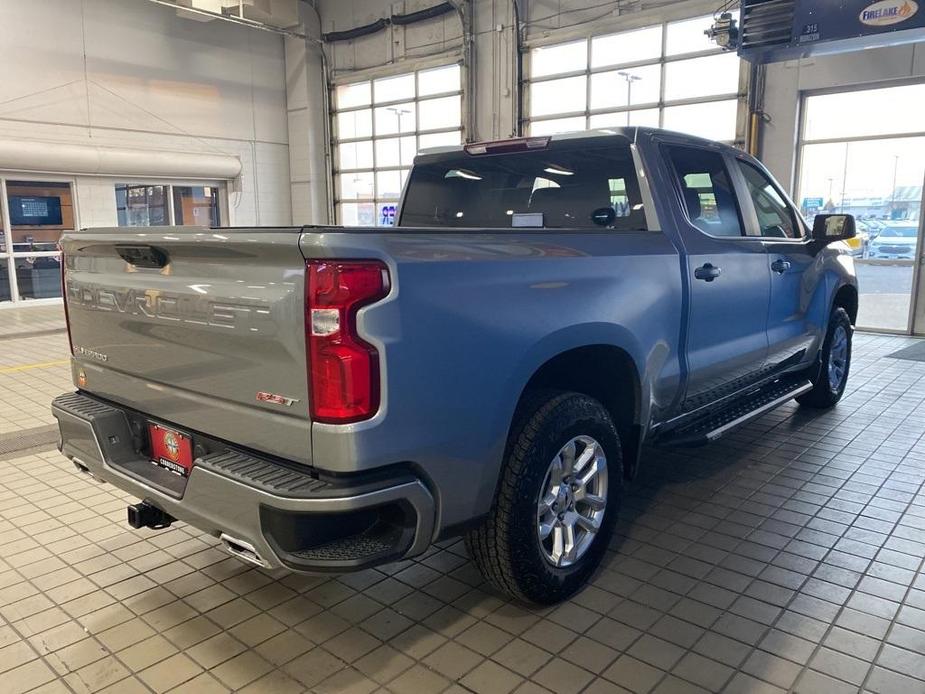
(190, 326)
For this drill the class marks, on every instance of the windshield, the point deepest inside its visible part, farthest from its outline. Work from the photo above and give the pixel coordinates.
(562, 187)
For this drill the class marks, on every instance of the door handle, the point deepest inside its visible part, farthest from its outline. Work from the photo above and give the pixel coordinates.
(708, 272)
(780, 266)
(143, 256)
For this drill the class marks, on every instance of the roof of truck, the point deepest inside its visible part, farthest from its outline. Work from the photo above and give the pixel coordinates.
(629, 132)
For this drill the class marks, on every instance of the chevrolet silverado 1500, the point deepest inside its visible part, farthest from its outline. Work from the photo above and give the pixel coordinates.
(327, 399)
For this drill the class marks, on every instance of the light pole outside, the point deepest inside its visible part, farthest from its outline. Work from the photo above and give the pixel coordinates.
(630, 78)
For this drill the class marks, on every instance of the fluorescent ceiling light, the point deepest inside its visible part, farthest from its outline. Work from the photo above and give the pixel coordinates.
(558, 171)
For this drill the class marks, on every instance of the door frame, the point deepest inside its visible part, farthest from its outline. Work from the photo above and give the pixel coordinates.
(915, 323)
(917, 305)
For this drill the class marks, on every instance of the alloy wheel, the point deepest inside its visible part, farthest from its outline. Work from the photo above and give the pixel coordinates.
(572, 501)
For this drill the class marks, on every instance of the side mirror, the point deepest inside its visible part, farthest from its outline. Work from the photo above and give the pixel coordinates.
(833, 227)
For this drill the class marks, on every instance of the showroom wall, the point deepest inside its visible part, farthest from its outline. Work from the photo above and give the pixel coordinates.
(786, 81)
(494, 45)
(550, 21)
(132, 75)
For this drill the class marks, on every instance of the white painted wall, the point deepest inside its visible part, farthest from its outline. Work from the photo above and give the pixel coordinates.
(131, 74)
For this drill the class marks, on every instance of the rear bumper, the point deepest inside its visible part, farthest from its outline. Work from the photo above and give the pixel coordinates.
(268, 512)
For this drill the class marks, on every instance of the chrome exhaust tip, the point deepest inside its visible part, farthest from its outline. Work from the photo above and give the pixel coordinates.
(242, 550)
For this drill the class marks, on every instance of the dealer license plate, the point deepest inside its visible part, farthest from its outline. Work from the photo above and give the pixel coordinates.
(170, 449)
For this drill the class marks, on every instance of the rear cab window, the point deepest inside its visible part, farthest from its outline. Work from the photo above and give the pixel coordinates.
(566, 185)
(706, 190)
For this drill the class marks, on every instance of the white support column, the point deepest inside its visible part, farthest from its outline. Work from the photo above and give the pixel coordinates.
(494, 62)
(309, 142)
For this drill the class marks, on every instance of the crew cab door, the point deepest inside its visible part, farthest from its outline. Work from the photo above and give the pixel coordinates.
(794, 319)
(728, 275)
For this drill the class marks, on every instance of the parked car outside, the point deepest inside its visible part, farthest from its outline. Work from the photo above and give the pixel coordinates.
(858, 245)
(896, 241)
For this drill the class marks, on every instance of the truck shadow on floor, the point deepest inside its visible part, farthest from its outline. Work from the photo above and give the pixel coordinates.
(691, 534)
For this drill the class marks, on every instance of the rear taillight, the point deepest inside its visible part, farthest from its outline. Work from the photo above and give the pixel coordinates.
(67, 318)
(343, 368)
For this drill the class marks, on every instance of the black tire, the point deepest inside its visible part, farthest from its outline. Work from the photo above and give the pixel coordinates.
(506, 546)
(824, 393)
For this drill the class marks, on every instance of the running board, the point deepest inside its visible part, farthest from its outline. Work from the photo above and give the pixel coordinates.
(712, 426)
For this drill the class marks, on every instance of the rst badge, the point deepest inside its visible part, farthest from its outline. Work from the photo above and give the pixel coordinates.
(276, 399)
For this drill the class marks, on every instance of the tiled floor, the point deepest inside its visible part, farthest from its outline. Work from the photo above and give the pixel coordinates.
(788, 556)
(33, 366)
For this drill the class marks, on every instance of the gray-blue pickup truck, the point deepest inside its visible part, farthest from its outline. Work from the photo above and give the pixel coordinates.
(328, 399)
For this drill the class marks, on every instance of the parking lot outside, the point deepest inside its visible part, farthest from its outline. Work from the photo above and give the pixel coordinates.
(787, 557)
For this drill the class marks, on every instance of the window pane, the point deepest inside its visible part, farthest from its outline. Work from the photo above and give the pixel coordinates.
(621, 88)
(893, 110)
(707, 191)
(858, 178)
(558, 125)
(356, 185)
(715, 120)
(394, 88)
(390, 183)
(687, 36)
(391, 120)
(38, 278)
(439, 140)
(350, 95)
(554, 60)
(196, 206)
(395, 151)
(439, 80)
(558, 96)
(775, 219)
(39, 212)
(141, 206)
(710, 76)
(6, 292)
(440, 113)
(568, 187)
(646, 118)
(354, 124)
(627, 47)
(353, 214)
(355, 155)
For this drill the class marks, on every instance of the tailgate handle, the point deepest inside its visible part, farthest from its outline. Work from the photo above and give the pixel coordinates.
(143, 256)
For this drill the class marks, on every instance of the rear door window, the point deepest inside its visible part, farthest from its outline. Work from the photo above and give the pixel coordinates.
(706, 190)
(561, 187)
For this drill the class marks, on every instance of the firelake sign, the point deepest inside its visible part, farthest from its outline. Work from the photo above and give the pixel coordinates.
(887, 12)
